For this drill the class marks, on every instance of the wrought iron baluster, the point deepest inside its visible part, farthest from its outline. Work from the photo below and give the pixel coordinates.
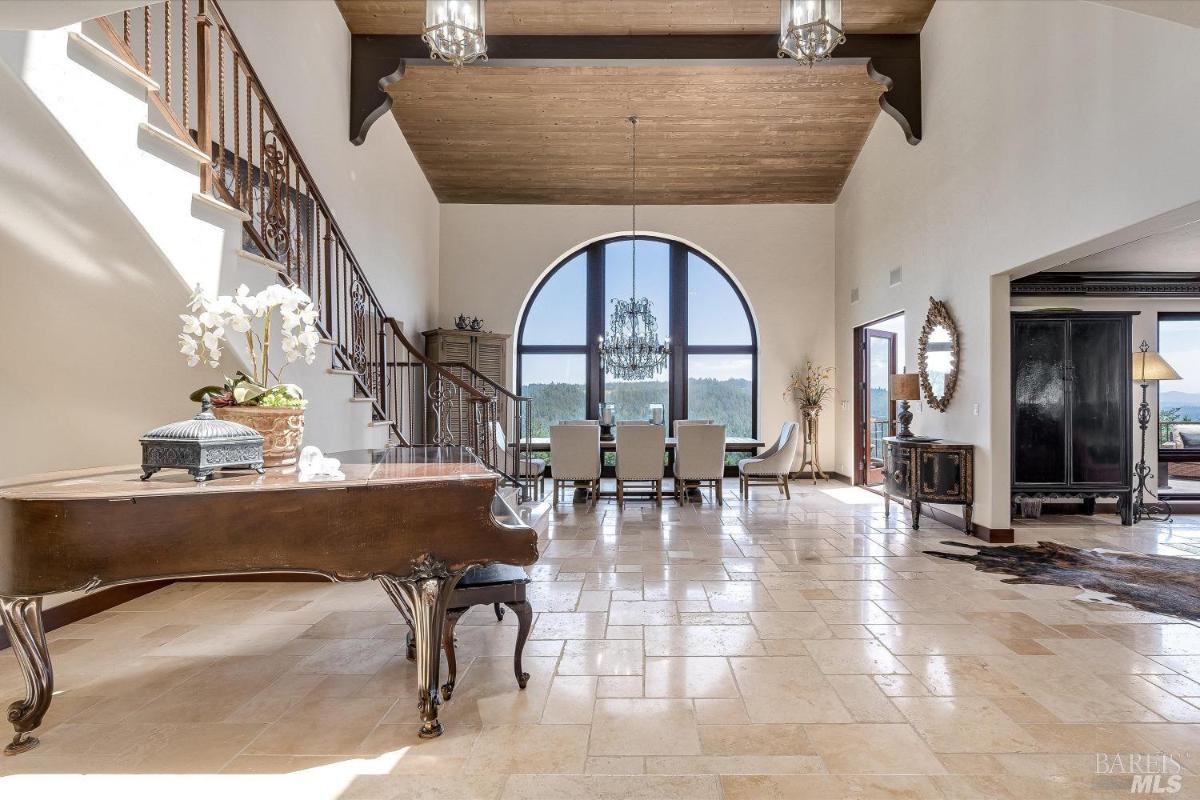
(186, 58)
(167, 51)
(146, 37)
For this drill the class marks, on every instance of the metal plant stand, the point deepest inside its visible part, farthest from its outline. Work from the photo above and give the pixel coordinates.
(1159, 510)
(809, 456)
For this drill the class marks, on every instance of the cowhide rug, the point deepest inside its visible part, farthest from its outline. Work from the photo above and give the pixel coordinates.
(1159, 584)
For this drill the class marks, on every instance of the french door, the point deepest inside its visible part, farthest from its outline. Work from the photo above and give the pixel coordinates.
(874, 412)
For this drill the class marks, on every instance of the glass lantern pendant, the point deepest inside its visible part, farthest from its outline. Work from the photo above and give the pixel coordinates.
(809, 30)
(454, 31)
(632, 350)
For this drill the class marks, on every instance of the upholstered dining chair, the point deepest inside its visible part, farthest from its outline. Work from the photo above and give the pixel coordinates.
(681, 422)
(699, 457)
(524, 466)
(575, 457)
(641, 448)
(773, 465)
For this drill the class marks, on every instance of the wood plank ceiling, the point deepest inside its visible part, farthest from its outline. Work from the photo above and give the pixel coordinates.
(779, 133)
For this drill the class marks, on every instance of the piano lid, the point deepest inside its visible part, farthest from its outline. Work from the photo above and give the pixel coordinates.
(360, 467)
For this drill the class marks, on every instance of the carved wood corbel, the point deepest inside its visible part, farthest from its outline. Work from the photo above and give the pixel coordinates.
(372, 69)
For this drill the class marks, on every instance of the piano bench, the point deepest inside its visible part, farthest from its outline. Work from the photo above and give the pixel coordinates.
(497, 585)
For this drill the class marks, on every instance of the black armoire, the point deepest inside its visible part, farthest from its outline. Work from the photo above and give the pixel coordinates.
(1071, 415)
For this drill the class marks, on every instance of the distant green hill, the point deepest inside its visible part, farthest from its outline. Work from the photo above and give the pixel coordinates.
(726, 401)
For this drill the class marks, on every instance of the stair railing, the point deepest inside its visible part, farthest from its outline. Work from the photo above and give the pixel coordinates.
(511, 443)
(209, 94)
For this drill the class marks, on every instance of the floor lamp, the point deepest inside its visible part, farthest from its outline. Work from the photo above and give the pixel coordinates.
(1148, 366)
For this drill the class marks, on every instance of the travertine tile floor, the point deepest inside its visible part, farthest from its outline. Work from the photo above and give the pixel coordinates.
(769, 649)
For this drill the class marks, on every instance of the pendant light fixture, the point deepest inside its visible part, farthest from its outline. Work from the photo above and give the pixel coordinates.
(632, 350)
(809, 30)
(454, 31)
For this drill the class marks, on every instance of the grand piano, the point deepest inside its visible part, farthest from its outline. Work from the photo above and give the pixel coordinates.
(413, 518)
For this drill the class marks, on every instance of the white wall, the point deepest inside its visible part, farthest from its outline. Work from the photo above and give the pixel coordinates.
(1044, 128)
(380, 198)
(87, 306)
(780, 255)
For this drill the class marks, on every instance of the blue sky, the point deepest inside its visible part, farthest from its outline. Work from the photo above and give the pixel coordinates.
(1179, 343)
(715, 315)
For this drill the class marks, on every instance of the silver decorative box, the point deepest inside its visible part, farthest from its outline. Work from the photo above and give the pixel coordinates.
(202, 445)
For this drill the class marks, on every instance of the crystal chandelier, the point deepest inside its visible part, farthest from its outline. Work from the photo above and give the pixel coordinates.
(632, 350)
(454, 31)
(810, 29)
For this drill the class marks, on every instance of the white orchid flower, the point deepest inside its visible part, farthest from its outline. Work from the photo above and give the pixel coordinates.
(187, 345)
(248, 301)
(191, 325)
(212, 340)
(196, 301)
(239, 320)
(308, 314)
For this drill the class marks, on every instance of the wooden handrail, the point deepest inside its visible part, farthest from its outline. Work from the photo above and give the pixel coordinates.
(474, 394)
(477, 374)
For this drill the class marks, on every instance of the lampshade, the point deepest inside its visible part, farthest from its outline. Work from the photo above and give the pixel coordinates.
(905, 386)
(1150, 366)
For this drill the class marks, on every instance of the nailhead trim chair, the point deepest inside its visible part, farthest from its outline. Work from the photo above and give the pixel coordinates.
(699, 457)
(575, 456)
(641, 449)
(773, 465)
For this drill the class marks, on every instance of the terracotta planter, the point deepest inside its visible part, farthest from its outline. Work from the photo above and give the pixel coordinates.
(282, 430)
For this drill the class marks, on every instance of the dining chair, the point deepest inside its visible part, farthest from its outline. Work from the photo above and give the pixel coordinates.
(681, 422)
(579, 422)
(524, 466)
(699, 457)
(641, 448)
(575, 457)
(773, 465)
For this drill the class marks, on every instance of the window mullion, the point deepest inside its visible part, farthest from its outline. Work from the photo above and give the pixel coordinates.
(595, 327)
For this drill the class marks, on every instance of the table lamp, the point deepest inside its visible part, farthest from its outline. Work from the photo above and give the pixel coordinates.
(904, 387)
(1148, 366)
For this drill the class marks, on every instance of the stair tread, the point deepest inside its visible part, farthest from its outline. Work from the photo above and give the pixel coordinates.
(221, 206)
(112, 60)
(174, 141)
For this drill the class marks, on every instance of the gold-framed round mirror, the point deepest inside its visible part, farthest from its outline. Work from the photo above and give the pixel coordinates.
(938, 356)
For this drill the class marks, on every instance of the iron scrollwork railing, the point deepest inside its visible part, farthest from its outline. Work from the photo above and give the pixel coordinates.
(210, 95)
(510, 438)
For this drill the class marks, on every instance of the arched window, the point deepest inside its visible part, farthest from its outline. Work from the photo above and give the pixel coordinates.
(713, 364)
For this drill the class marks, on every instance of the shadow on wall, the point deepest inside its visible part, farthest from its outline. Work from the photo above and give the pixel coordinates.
(88, 305)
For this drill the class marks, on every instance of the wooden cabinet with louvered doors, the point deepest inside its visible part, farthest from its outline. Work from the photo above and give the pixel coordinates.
(463, 351)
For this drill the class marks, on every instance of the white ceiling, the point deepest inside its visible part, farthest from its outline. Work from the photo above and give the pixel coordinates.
(1176, 250)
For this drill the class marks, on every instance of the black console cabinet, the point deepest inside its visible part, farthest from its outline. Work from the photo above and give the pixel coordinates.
(929, 472)
(1071, 400)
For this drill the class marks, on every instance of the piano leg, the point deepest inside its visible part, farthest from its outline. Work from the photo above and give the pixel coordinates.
(22, 618)
(423, 598)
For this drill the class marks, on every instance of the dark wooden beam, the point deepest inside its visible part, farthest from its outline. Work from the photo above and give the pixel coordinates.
(1108, 284)
(892, 60)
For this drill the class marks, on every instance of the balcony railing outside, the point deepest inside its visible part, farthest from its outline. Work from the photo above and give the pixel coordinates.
(210, 95)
